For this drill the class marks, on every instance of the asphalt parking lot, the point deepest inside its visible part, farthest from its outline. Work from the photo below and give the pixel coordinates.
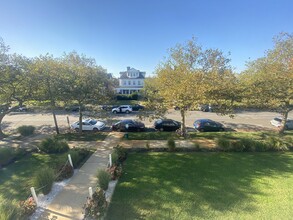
(243, 120)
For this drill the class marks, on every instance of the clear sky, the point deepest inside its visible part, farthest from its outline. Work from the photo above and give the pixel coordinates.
(137, 33)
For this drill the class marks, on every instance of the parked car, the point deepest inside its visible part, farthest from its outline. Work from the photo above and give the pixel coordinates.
(277, 122)
(167, 125)
(137, 107)
(74, 108)
(89, 125)
(128, 125)
(208, 125)
(122, 109)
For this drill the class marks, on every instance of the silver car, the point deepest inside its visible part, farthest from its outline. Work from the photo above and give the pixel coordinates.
(277, 122)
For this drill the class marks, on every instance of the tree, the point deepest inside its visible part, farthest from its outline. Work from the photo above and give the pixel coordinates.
(84, 81)
(268, 80)
(191, 76)
(16, 84)
(47, 71)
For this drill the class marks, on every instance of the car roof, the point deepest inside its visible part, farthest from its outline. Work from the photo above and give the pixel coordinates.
(204, 120)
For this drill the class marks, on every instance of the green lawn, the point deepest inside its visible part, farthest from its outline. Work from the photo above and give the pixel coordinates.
(16, 179)
(205, 186)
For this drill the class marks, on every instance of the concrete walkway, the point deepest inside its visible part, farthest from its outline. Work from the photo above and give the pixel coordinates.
(68, 204)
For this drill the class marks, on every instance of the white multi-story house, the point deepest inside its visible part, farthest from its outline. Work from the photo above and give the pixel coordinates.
(131, 80)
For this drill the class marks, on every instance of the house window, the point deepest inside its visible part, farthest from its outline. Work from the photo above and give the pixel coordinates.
(133, 83)
(138, 82)
(129, 82)
(124, 83)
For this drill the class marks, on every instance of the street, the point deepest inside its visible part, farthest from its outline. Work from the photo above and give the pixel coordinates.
(245, 120)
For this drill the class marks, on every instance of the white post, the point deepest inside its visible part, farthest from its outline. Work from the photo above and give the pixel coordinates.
(70, 160)
(110, 160)
(34, 195)
(91, 192)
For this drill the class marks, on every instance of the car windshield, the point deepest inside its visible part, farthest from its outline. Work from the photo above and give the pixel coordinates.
(278, 119)
(93, 122)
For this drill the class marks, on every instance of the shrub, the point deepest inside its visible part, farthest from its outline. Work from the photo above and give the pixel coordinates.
(27, 207)
(95, 208)
(9, 154)
(248, 144)
(26, 130)
(121, 152)
(277, 144)
(115, 171)
(53, 145)
(103, 179)
(224, 144)
(78, 155)
(44, 179)
(9, 211)
(65, 172)
(115, 158)
(171, 145)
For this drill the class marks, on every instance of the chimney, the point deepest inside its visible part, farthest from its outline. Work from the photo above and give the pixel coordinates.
(128, 68)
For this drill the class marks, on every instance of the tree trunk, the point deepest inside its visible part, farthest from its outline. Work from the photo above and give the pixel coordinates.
(1, 132)
(183, 128)
(285, 116)
(55, 122)
(80, 120)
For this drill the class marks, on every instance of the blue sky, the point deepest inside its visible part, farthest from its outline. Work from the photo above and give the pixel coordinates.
(137, 33)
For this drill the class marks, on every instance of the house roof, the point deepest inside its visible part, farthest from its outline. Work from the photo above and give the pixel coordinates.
(123, 75)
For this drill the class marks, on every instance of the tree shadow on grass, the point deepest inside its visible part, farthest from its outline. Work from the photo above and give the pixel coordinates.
(200, 185)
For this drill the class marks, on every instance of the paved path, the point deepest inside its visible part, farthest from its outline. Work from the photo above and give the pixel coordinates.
(68, 204)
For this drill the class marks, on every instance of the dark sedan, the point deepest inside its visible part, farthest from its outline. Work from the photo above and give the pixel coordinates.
(128, 125)
(137, 107)
(167, 125)
(208, 125)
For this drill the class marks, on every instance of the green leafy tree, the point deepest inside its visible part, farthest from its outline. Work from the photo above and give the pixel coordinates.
(268, 81)
(191, 76)
(85, 81)
(16, 84)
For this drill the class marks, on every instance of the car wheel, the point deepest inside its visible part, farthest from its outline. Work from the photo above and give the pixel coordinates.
(119, 130)
(201, 130)
(76, 129)
(115, 112)
(221, 129)
(161, 129)
(95, 129)
(127, 112)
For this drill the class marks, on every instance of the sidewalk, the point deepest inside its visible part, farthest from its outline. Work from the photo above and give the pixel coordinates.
(68, 204)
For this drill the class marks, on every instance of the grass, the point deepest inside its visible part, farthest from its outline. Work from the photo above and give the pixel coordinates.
(90, 136)
(205, 135)
(205, 186)
(16, 179)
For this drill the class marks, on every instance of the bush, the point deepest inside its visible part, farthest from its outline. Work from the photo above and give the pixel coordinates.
(27, 207)
(278, 144)
(9, 211)
(26, 130)
(53, 145)
(171, 145)
(121, 152)
(115, 171)
(115, 158)
(65, 172)
(103, 179)
(44, 179)
(95, 208)
(9, 154)
(78, 155)
(224, 144)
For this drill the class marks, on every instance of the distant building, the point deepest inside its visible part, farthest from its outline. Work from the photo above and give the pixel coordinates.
(131, 80)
